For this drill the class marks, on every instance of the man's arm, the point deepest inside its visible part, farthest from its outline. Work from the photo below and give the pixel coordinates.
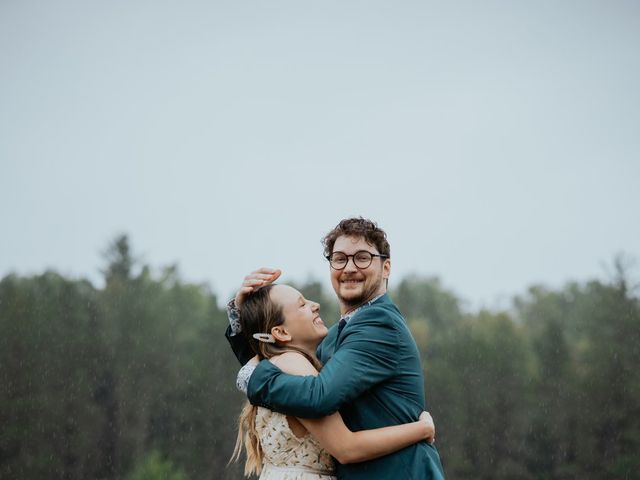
(366, 357)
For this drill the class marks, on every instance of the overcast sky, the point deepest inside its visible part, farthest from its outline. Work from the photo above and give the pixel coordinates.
(497, 142)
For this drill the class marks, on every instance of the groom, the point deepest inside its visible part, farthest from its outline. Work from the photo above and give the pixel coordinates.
(372, 371)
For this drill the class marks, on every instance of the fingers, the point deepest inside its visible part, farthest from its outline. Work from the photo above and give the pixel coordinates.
(256, 279)
(276, 274)
(431, 427)
(267, 275)
(261, 277)
(241, 295)
(253, 282)
(426, 416)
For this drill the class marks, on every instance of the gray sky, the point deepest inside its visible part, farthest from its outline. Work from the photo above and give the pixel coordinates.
(496, 142)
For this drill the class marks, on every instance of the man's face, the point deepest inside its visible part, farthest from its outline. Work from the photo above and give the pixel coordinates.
(355, 286)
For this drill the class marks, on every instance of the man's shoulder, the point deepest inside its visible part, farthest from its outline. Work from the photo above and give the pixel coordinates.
(378, 318)
(382, 310)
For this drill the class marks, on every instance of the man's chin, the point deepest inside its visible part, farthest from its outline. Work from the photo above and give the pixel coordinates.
(351, 298)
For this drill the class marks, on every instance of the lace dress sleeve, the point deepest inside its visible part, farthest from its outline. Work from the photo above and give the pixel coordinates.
(242, 380)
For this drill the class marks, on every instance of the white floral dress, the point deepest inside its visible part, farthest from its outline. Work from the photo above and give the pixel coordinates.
(287, 457)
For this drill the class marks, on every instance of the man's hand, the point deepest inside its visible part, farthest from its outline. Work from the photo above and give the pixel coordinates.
(431, 427)
(256, 279)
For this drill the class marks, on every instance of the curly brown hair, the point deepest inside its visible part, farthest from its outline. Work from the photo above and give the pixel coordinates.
(360, 228)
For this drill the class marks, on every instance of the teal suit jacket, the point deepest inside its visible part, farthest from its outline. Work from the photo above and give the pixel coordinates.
(373, 375)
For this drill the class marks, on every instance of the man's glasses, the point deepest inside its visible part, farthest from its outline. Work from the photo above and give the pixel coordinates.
(361, 259)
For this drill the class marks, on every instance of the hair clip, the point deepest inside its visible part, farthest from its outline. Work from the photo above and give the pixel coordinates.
(264, 337)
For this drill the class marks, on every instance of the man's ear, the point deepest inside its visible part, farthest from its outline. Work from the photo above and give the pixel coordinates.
(386, 269)
(280, 334)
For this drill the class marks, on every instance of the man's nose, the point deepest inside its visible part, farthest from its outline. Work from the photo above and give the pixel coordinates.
(351, 265)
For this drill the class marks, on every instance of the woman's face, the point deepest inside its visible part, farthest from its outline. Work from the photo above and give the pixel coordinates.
(301, 317)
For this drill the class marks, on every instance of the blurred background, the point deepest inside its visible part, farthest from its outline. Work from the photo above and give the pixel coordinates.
(153, 153)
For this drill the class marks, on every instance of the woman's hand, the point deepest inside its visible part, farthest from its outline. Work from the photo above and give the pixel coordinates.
(431, 427)
(256, 279)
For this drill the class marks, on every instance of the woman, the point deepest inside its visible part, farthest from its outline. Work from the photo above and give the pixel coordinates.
(284, 327)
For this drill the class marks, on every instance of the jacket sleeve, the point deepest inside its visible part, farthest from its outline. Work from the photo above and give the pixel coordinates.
(365, 358)
(235, 337)
(239, 345)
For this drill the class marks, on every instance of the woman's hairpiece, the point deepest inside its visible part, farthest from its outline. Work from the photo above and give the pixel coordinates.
(264, 337)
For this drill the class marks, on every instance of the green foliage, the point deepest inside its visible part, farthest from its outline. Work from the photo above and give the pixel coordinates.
(155, 468)
(477, 389)
(426, 299)
(110, 383)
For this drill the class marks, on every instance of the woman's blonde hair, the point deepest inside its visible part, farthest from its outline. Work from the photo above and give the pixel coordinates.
(259, 314)
(248, 437)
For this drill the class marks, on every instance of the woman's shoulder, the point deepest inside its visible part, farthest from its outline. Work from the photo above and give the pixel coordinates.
(293, 363)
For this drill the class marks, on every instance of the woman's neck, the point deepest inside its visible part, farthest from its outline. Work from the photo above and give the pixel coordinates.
(309, 350)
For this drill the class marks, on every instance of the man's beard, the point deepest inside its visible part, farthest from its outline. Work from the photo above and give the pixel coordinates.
(356, 301)
(352, 302)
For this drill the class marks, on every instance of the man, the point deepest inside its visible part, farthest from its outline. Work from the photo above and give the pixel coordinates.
(372, 371)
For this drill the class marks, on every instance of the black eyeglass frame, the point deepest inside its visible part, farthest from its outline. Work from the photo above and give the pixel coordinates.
(353, 259)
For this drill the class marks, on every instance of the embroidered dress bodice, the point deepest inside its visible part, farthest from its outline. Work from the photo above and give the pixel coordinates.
(287, 457)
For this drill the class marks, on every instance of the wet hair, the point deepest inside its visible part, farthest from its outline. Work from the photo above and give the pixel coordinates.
(359, 228)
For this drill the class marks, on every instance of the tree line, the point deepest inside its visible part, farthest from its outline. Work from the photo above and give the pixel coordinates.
(135, 381)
